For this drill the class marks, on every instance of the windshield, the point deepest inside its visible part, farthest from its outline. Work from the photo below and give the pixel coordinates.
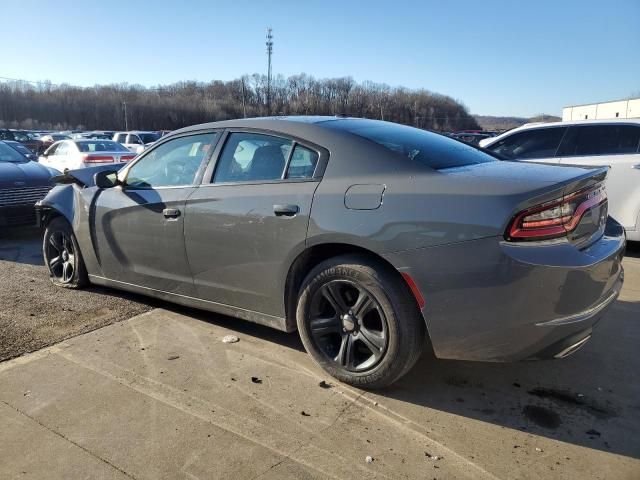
(431, 149)
(148, 137)
(8, 154)
(100, 146)
(21, 148)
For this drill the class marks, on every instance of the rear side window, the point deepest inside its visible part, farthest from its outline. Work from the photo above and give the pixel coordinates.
(431, 149)
(121, 137)
(529, 144)
(303, 163)
(600, 140)
(63, 149)
(250, 157)
(133, 139)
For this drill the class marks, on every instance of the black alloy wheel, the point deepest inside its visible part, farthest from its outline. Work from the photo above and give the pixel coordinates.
(348, 325)
(359, 321)
(62, 255)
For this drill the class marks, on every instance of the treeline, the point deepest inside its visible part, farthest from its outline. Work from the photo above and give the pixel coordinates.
(102, 107)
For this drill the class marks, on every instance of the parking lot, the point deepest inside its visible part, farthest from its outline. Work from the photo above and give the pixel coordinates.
(154, 393)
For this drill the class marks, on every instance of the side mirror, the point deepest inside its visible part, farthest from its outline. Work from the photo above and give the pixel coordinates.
(106, 179)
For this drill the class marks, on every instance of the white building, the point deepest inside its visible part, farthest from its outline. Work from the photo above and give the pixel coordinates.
(617, 109)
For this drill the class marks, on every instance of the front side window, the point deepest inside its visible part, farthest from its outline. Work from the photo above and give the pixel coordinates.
(530, 144)
(52, 149)
(174, 163)
(250, 157)
(133, 139)
(600, 140)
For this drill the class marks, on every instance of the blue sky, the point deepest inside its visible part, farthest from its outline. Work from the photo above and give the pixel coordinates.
(498, 57)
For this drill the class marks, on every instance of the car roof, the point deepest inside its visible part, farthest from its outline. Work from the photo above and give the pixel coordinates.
(568, 123)
(310, 127)
(611, 121)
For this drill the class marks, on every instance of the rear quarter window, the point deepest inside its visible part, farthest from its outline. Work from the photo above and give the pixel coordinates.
(587, 140)
(431, 149)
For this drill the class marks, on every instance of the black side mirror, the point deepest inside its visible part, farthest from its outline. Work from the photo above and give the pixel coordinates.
(106, 179)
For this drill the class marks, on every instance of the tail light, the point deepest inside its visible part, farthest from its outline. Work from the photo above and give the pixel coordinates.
(97, 158)
(126, 158)
(555, 218)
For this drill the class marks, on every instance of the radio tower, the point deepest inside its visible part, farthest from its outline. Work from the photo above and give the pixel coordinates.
(269, 44)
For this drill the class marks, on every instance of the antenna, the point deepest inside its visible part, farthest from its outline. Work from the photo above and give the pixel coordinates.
(269, 44)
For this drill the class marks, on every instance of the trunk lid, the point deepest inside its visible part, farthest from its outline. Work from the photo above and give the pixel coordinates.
(524, 185)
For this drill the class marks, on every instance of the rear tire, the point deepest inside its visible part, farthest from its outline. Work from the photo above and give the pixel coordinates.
(359, 322)
(62, 255)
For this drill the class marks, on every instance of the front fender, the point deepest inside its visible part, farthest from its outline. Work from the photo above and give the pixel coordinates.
(74, 203)
(59, 201)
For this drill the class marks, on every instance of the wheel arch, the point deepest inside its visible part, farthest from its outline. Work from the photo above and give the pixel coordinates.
(316, 254)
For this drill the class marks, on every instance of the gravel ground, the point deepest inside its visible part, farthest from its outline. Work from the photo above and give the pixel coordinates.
(34, 313)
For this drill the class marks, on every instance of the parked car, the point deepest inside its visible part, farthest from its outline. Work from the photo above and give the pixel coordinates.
(28, 139)
(22, 183)
(20, 147)
(73, 154)
(136, 141)
(47, 140)
(365, 236)
(91, 136)
(470, 138)
(593, 143)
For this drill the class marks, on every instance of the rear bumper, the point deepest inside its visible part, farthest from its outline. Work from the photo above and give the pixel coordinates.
(492, 300)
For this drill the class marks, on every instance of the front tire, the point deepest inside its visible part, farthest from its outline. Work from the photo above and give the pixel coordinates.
(358, 320)
(62, 255)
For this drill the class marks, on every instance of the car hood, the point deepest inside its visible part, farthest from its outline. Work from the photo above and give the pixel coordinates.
(19, 174)
(84, 176)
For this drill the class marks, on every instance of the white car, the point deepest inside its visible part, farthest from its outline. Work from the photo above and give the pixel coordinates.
(74, 154)
(613, 143)
(136, 141)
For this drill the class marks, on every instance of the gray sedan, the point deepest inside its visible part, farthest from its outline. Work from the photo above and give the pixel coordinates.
(368, 238)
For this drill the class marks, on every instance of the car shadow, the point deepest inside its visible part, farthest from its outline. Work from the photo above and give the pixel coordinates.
(633, 250)
(585, 399)
(21, 245)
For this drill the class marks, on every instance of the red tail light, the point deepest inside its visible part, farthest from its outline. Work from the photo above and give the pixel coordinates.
(97, 158)
(555, 218)
(126, 158)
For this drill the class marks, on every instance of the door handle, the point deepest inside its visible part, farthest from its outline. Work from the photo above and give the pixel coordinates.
(286, 210)
(171, 213)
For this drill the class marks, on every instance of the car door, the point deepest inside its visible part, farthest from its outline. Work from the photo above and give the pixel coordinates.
(615, 146)
(139, 225)
(248, 219)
